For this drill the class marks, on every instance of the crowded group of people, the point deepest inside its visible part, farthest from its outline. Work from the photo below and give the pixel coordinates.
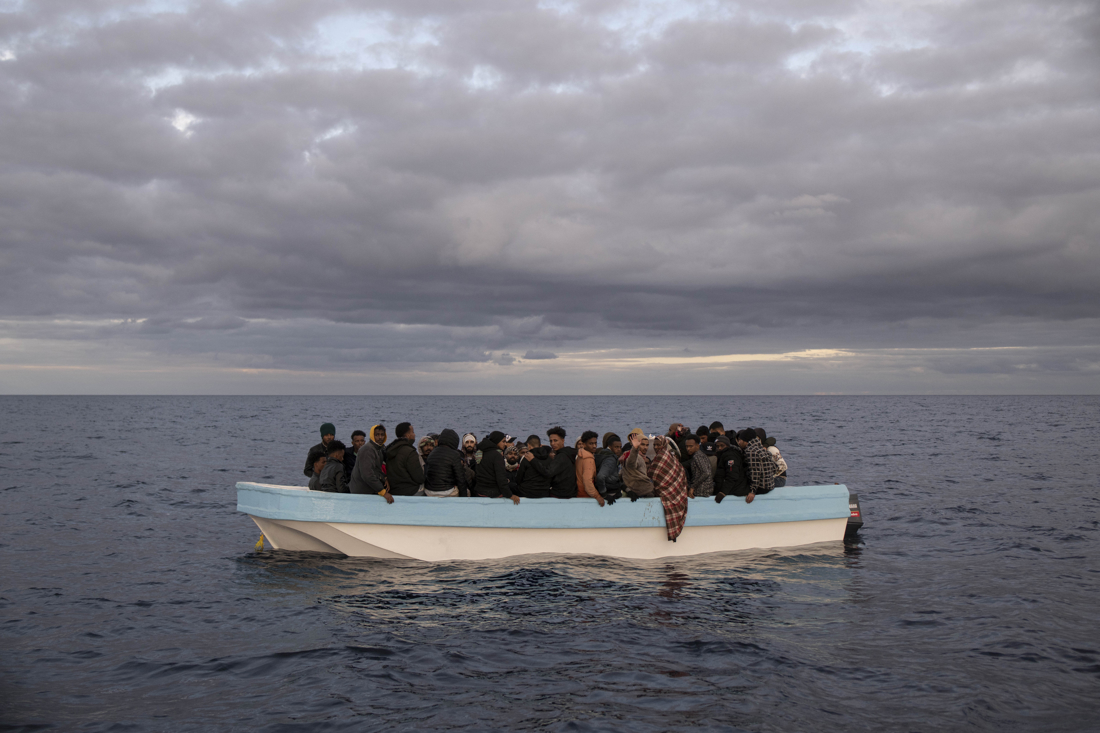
(674, 467)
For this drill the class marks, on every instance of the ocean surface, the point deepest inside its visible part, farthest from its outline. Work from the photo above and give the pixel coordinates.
(131, 597)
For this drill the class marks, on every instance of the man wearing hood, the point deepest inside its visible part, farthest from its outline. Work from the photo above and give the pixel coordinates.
(445, 469)
(730, 478)
(563, 474)
(678, 433)
(761, 466)
(368, 477)
(607, 479)
(403, 462)
(492, 477)
(586, 467)
(332, 475)
(328, 433)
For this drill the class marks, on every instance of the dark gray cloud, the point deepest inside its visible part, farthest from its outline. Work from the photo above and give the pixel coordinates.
(324, 186)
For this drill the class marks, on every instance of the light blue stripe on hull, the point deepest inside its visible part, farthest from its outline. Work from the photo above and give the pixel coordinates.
(785, 504)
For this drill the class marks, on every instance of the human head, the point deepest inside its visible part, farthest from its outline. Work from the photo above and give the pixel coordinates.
(675, 428)
(533, 441)
(702, 431)
(358, 438)
(556, 435)
(722, 441)
(761, 433)
(745, 437)
(328, 432)
(378, 434)
(691, 442)
(590, 438)
(426, 446)
(448, 438)
(469, 442)
(404, 430)
(336, 450)
(319, 464)
(716, 427)
(499, 439)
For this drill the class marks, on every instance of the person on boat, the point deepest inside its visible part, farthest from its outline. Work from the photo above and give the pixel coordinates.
(315, 479)
(563, 458)
(471, 453)
(780, 464)
(708, 447)
(636, 466)
(512, 458)
(678, 433)
(358, 438)
(492, 480)
(716, 429)
(369, 476)
(445, 469)
(533, 476)
(761, 467)
(533, 441)
(403, 469)
(585, 468)
(670, 483)
(731, 477)
(607, 478)
(701, 483)
(425, 446)
(332, 475)
(328, 434)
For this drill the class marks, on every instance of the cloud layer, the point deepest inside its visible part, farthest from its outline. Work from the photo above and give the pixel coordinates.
(504, 192)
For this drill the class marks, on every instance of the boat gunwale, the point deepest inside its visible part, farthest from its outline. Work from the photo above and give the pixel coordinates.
(784, 504)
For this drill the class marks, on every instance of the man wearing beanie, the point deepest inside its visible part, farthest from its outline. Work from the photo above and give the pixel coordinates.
(491, 476)
(328, 432)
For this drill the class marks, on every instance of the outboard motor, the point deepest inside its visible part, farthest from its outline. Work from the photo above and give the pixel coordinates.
(855, 516)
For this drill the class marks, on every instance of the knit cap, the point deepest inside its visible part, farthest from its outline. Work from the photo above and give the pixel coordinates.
(328, 429)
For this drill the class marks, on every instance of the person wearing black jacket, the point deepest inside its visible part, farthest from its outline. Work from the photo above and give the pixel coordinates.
(730, 477)
(403, 463)
(445, 469)
(328, 433)
(491, 476)
(563, 470)
(533, 476)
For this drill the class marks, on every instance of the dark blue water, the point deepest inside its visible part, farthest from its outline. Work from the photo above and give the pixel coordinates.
(132, 598)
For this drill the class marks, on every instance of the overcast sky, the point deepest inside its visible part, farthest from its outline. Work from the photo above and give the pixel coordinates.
(419, 197)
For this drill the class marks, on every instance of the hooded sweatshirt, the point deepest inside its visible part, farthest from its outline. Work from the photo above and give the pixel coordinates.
(533, 476)
(492, 476)
(586, 474)
(332, 478)
(444, 468)
(403, 468)
(368, 477)
(607, 478)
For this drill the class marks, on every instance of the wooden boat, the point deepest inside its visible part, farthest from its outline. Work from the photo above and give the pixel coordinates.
(435, 529)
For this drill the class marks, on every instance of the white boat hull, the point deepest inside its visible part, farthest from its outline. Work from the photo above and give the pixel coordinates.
(481, 543)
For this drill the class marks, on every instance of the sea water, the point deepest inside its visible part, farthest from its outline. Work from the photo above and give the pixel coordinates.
(132, 597)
